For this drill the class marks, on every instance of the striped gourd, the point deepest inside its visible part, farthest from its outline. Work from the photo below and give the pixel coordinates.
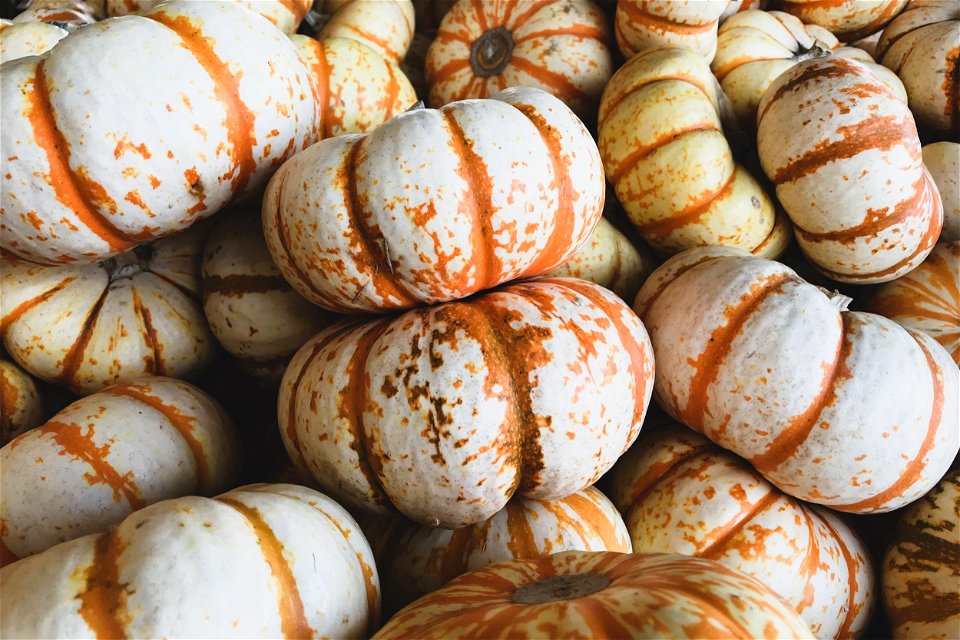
(22, 39)
(648, 24)
(847, 20)
(942, 159)
(20, 405)
(70, 13)
(386, 26)
(286, 15)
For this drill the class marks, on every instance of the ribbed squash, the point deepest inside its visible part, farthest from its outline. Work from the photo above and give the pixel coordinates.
(286, 15)
(20, 406)
(849, 19)
(70, 13)
(22, 39)
(649, 24)
(386, 26)
(738, 6)
(942, 159)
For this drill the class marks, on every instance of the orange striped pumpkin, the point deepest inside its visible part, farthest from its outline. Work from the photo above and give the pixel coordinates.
(844, 155)
(70, 13)
(88, 326)
(79, 189)
(108, 455)
(286, 15)
(579, 594)
(414, 560)
(436, 205)
(445, 412)
(649, 24)
(386, 26)
(921, 568)
(20, 406)
(681, 494)
(849, 19)
(560, 46)
(665, 153)
(262, 561)
(942, 159)
(927, 299)
(21, 39)
(835, 407)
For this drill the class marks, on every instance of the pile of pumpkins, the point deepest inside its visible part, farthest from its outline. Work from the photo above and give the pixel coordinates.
(400, 384)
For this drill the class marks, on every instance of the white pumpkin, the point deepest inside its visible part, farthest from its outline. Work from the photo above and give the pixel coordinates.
(848, 19)
(641, 25)
(286, 15)
(942, 160)
(20, 406)
(386, 26)
(23, 39)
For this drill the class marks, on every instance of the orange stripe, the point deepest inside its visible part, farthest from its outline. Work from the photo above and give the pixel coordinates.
(659, 473)
(650, 300)
(321, 81)
(853, 607)
(644, 151)
(520, 539)
(560, 85)
(636, 15)
(736, 524)
(154, 365)
(610, 104)
(512, 22)
(837, 68)
(23, 307)
(74, 357)
(590, 513)
(444, 73)
(103, 601)
(573, 30)
(463, 542)
(659, 229)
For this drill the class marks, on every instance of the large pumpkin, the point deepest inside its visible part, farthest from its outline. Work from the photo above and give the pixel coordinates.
(88, 326)
(286, 15)
(921, 568)
(849, 19)
(445, 412)
(844, 155)
(20, 406)
(436, 204)
(22, 39)
(414, 560)
(845, 409)
(649, 24)
(108, 455)
(386, 26)
(166, 148)
(942, 159)
(262, 561)
(681, 494)
(560, 46)
(664, 150)
(599, 595)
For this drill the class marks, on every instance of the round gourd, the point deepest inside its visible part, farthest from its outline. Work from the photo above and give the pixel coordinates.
(599, 595)
(649, 24)
(167, 147)
(922, 566)
(23, 39)
(942, 159)
(844, 155)
(927, 299)
(681, 494)
(414, 560)
(262, 561)
(445, 412)
(560, 46)
(72, 14)
(357, 89)
(665, 153)
(848, 20)
(253, 312)
(88, 326)
(436, 205)
(286, 15)
(108, 455)
(920, 45)
(839, 408)
(386, 26)
(20, 406)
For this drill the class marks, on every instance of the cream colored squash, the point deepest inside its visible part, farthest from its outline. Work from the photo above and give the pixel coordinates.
(942, 159)
(20, 405)
(848, 20)
(641, 25)
(386, 26)
(23, 39)
(286, 15)
(71, 14)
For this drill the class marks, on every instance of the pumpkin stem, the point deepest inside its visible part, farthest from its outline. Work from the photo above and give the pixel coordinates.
(417, 106)
(129, 263)
(840, 301)
(491, 52)
(560, 588)
(818, 50)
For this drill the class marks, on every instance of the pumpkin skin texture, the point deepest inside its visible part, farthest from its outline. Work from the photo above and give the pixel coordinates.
(356, 88)
(560, 46)
(108, 455)
(386, 26)
(844, 155)
(509, 187)
(739, 6)
(599, 595)
(922, 566)
(844, 409)
(680, 493)
(446, 412)
(849, 20)
(286, 15)
(414, 560)
(20, 406)
(665, 153)
(942, 159)
(927, 299)
(253, 312)
(271, 560)
(88, 326)
(920, 45)
(640, 25)
(83, 190)
(28, 39)
(72, 13)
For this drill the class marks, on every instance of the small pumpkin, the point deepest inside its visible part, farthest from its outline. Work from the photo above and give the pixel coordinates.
(22, 39)
(599, 595)
(386, 26)
(108, 455)
(20, 405)
(72, 14)
(286, 15)
(560, 46)
(942, 159)
(270, 560)
(88, 326)
(649, 24)
(848, 20)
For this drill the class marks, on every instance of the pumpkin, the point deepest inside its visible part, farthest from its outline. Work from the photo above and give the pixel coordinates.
(599, 595)
(356, 88)
(71, 14)
(560, 46)
(737, 6)
(88, 326)
(681, 494)
(252, 311)
(445, 412)
(922, 566)
(20, 406)
(839, 408)
(270, 561)
(168, 147)
(920, 45)
(436, 205)
(22, 39)
(640, 25)
(108, 455)
(848, 20)
(844, 155)
(665, 153)
(942, 159)
(386, 26)
(414, 560)
(927, 299)
(286, 15)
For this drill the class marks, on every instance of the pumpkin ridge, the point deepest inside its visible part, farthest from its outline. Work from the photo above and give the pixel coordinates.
(155, 364)
(512, 22)
(586, 509)
(636, 13)
(297, 9)
(320, 81)
(659, 229)
(104, 598)
(659, 473)
(705, 600)
(25, 306)
(610, 105)
(666, 284)
(237, 285)
(443, 74)
(874, 25)
(853, 586)
(838, 69)
(601, 621)
(520, 539)
(729, 530)
(193, 295)
(73, 357)
(462, 543)
(630, 162)
(584, 31)
(560, 85)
